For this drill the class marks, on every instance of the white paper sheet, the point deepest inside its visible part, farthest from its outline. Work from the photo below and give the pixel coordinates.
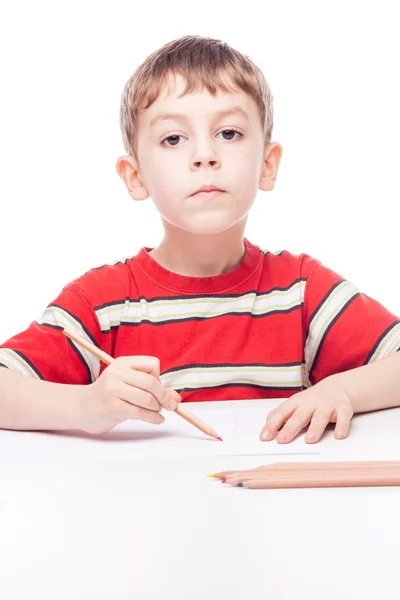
(238, 423)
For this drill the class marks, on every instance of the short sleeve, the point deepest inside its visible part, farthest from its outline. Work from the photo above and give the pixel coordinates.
(43, 351)
(343, 328)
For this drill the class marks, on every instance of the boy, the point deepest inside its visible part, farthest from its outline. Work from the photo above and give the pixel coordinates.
(206, 315)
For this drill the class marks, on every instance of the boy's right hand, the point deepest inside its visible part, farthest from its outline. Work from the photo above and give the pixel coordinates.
(129, 388)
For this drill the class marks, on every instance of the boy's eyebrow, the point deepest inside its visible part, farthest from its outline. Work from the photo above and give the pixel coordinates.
(235, 110)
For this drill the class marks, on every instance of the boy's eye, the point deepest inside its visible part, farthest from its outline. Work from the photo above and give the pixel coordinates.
(173, 140)
(230, 132)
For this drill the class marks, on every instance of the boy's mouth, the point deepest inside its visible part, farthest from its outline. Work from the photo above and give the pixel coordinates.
(207, 189)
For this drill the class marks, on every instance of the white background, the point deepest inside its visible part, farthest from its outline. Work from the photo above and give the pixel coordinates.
(334, 74)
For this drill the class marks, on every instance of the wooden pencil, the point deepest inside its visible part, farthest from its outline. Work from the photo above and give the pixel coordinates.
(306, 468)
(107, 359)
(322, 479)
(309, 466)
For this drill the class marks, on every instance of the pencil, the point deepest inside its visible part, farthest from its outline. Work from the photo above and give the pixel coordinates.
(309, 466)
(322, 479)
(311, 469)
(107, 359)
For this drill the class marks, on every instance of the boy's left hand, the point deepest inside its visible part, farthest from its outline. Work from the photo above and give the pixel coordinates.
(326, 402)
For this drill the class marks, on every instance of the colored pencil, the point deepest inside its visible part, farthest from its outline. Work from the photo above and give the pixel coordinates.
(260, 474)
(308, 466)
(107, 359)
(322, 479)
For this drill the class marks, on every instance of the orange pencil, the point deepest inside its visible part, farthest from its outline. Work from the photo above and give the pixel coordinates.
(107, 359)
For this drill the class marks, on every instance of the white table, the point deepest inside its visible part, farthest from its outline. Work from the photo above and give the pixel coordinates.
(78, 528)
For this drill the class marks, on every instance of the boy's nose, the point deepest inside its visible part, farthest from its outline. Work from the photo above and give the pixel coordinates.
(211, 162)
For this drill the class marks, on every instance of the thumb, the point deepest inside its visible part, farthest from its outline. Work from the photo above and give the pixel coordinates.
(171, 398)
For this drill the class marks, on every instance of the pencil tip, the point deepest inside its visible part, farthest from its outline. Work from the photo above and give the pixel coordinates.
(240, 484)
(220, 439)
(211, 475)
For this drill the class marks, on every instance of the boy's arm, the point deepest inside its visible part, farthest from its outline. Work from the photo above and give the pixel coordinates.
(47, 382)
(129, 388)
(42, 374)
(343, 328)
(373, 386)
(351, 359)
(335, 400)
(29, 403)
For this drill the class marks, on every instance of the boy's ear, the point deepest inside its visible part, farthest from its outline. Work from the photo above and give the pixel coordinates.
(271, 160)
(128, 169)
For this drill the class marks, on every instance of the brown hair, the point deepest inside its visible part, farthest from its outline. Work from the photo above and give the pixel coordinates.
(203, 62)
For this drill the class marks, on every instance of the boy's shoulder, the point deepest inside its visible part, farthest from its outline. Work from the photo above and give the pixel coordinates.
(105, 283)
(285, 260)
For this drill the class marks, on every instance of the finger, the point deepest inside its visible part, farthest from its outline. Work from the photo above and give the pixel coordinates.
(276, 418)
(136, 413)
(299, 419)
(343, 420)
(170, 399)
(176, 395)
(138, 380)
(147, 364)
(138, 398)
(163, 397)
(319, 422)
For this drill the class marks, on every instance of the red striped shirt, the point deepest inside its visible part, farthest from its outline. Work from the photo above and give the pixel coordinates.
(272, 326)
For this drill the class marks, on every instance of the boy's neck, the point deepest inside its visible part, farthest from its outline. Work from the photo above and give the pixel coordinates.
(195, 255)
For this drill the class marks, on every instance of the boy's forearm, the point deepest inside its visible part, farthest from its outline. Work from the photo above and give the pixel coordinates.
(27, 403)
(373, 386)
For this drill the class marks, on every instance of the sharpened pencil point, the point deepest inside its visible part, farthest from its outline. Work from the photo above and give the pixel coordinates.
(220, 439)
(240, 484)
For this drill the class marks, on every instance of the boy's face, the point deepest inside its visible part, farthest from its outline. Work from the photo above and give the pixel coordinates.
(179, 155)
